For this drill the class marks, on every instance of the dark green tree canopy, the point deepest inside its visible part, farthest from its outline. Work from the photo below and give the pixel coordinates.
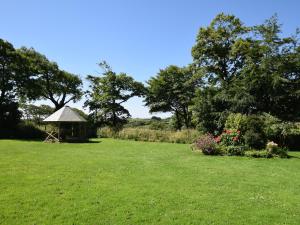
(58, 86)
(14, 74)
(107, 94)
(14, 77)
(172, 90)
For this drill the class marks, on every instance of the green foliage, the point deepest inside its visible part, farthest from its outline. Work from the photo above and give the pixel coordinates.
(172, 90)
(51, 83)
(36, 113)
(215, 49)
(235, 150)
(140, 134)
(258, 154)
(107, 95)
(275, 150)
(246, 70)
(254, 135)
(14, 77)
(153, 123)
(235, 121)
(282, 132)
(209, 110)
(14, 73)
(254, 139)
(158, 125)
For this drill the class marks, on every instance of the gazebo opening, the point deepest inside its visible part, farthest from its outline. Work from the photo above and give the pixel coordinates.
(67, 125)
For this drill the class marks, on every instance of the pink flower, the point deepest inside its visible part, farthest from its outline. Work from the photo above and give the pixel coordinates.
(228, 131)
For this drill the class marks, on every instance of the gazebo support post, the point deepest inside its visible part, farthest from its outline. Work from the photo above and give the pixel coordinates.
(59, 132)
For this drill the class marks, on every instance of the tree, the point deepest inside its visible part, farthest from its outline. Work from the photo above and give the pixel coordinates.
(58, 86)
(36, 113)
(107, 94)
(13, 78)
(247, 70)
(216, 49)
(172, 90)
(219, 53)
(271, 74)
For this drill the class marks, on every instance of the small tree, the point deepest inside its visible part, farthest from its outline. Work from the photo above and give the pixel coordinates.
(107, 94)
(36, 113)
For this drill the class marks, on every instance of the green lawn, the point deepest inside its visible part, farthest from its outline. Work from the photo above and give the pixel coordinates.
(124, 182)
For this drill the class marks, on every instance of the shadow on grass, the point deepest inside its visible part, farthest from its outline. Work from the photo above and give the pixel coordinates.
(42, 141)
(293, 157)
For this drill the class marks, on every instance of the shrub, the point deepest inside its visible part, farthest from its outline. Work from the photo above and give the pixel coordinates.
(273, 149)
(229, 137)
(255, 136)
(142, 134)
(258, 154)
(207, 144)
(254, 140)
(281, 152)
(275, 152)
(271, 146)
(284, 133)
(235, 150)
(158, 125)
(105, 132)
(235, 121)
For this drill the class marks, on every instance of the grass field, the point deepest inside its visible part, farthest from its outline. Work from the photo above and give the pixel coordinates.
(125, 182)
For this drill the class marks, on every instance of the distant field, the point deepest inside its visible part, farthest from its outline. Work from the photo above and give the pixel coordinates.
(127, 182)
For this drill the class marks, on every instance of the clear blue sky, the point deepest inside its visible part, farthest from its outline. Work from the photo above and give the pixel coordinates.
(138, 37)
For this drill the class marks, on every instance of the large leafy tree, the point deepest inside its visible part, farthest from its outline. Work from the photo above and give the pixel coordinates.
(217, 49)
(13, 79)
(245, 69)
(107, 94)
(271, 74)
(172, 90)
(51, 83)
(219, 53)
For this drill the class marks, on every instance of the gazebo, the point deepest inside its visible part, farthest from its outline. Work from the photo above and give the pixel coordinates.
(68, 126)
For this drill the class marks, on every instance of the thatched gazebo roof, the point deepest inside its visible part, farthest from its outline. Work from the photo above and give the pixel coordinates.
(65, 114)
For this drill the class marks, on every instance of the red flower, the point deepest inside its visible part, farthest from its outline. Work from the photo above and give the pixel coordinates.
(228, 131)
(217, 139)
(235, 138)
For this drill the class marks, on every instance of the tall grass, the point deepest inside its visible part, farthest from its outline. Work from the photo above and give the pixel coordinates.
(140, 134)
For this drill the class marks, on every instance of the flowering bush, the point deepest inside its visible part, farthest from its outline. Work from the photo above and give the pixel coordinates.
(271, 146)
(273, 149)
(207, 144)
(229, 138)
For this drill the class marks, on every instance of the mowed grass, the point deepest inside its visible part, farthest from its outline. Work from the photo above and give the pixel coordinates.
(125, 182)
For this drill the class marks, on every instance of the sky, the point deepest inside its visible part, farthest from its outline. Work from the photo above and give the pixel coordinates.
(138, 37)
